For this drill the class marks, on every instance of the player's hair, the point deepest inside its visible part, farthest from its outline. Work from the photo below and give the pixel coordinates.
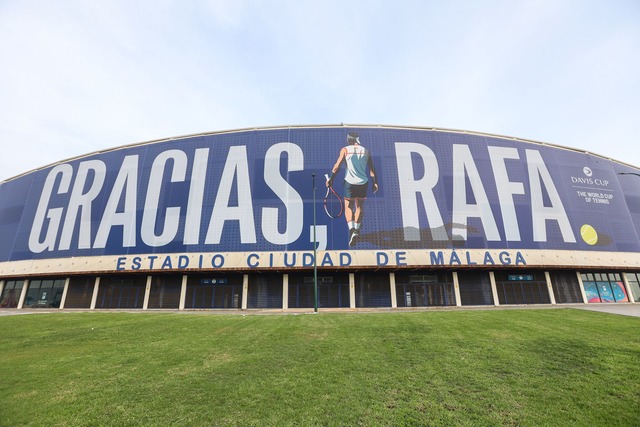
(353, 137)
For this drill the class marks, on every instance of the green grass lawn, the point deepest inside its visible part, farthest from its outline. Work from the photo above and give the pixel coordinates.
(473, 367)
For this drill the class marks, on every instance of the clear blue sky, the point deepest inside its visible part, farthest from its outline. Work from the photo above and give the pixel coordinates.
(78, 76)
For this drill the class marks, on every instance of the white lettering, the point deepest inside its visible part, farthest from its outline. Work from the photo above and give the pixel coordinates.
(236, 168)
(126, 183)
(411, 188)
(53, 215)
(81, 201)
(292, 201)
(539, 177)
(506, 189)
(464, 166)
(150, 212)
(196, 197)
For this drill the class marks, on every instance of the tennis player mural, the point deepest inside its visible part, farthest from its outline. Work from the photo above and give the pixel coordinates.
(246, 193)
(358, 169)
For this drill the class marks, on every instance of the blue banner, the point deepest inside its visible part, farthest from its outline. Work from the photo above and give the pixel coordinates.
(253, 191)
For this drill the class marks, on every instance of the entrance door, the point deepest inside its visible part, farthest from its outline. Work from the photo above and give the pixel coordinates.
(424, 290)
(121, 292)
(333, 290)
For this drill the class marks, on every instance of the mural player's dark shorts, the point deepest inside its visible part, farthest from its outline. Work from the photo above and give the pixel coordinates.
(352, 191)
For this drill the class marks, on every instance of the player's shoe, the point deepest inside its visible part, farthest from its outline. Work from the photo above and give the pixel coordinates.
(354, 234)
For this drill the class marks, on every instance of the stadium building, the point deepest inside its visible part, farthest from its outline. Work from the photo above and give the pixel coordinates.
(244, 219)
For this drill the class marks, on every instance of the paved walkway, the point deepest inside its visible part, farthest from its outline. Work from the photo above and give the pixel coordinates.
(619, 308)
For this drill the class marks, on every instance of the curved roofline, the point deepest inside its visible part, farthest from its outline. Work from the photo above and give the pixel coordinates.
(337, 125)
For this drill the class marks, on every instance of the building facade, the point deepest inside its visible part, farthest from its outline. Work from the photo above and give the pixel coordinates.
(244, 219)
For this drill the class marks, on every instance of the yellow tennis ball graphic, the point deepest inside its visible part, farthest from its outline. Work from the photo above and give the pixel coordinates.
(589, 234)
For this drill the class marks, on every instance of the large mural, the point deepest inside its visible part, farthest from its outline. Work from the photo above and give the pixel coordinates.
(377, 193)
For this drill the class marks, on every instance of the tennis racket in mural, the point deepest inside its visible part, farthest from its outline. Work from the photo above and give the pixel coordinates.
(333, 205)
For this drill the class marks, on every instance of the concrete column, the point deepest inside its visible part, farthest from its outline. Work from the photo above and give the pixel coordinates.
(147, 293)
(581, 286)
(352, 290)
(1, 287)
(552, 297)
(456, 288)
(285, 291)
(494, 289)
(392, 285)
(626, 285)
(183, 292)
(64, 292)
(245, 290)
(94, 297)
(23, 294)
